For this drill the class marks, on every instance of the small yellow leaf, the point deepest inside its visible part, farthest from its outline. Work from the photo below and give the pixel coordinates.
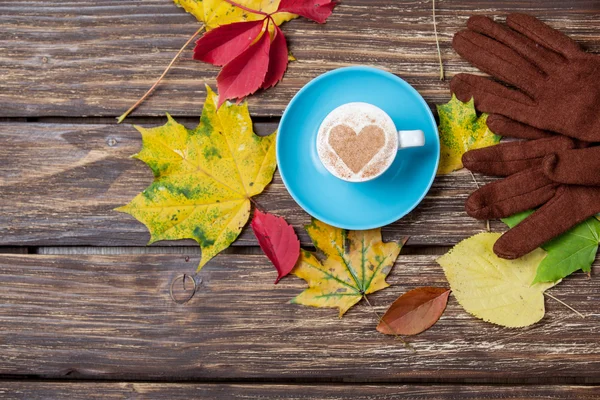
(204, 178)
(460, 131)
(194, 7)
(494, 289)
(348, 271)
(214, 13)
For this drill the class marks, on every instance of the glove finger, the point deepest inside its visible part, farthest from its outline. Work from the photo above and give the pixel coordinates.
(504, 126)
(492, 97)
(566, 209)
(526, 48)
(509, 158)
(544, 35)
(519, 192)
(575, 167)
(497, 60)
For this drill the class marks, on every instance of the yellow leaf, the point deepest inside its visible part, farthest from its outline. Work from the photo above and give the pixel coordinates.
(214, 13)
(204, 177)
(461, 130)
(347, 272)
(194, 7)
(494, 289)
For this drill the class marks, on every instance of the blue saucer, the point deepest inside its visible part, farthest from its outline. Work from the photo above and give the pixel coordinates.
(365, 205)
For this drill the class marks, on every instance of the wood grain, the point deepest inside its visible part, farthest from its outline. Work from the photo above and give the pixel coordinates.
(110, 317)
(59, 184)
(107, 315)
(92, 58)
(175, 391)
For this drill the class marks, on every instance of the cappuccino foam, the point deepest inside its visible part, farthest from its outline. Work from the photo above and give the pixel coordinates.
(357, 142)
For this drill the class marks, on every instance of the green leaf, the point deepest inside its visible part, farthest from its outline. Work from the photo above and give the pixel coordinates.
(573, 250)
(516, 219)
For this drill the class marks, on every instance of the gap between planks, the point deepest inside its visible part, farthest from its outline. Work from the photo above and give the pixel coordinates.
(187, 250)
(132, 120)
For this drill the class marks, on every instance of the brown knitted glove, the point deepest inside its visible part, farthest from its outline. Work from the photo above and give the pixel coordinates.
(559, 84)
(554, 172)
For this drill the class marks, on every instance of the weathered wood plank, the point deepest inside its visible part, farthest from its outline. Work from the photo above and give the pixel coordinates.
(28, 390)
(189, 251)
(59, 184)
(101, 317)
(179, 250)
(80, 57)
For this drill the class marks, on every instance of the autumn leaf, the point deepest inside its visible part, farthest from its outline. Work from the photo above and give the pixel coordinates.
(278, 60)
(218, 47)
(215, 13)
(194, 7)
(317, 10)
(492, 288)
(573, 250)
(277, 240)
(253, 53)
(221, 13)
(460, 131)
(203, 178)
(246, 73)
(415, 311)
(347, 273)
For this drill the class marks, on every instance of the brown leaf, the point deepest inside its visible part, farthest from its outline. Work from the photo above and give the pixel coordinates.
(415, 311)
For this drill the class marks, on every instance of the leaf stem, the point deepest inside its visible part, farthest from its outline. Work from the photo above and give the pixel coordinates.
(565, 304)
(233, 3)
(255, 204)
(437, 42)
(145, 96)
(487, 221)
(380, 319)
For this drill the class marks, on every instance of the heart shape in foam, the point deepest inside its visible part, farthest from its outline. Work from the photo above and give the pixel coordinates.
(356, 150)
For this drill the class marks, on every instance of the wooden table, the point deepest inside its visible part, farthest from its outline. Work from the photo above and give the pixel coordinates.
(84, 306)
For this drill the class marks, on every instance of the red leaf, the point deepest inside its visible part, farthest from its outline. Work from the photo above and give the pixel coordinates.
(414, 311)
(317, 10)
(278, 60)
(278, 241)
(245, 74)
(221, 45)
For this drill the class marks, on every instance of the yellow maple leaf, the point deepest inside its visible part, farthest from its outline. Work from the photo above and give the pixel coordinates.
(204, 178)
(460, 131)
(214, 13)
(347, 272)
(494, 289)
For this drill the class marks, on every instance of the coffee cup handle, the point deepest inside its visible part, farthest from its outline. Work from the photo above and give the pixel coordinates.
(414, 138)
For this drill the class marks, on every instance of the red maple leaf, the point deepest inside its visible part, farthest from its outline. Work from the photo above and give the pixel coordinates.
(278, 241)
(251, 57)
